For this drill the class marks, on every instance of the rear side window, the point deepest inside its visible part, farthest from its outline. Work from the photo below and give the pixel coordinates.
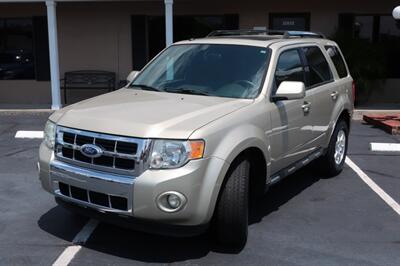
(289, 67)
(337, 60)
(319, 71)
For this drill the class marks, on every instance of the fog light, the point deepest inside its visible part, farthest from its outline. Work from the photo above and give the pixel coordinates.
(174, 201)
(171, 201)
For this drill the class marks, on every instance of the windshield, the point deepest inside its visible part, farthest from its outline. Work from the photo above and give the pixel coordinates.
(234, 71)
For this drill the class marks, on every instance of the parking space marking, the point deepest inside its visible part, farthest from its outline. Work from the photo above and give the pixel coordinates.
(23, 134)
(85, 233)
(66, 257)
(385, 147)
(377, 189)
(70, 252)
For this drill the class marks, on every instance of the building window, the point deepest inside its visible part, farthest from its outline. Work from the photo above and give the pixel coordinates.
(388, 28)
(364, 27)
(148, 32)
(291, 21)
(16, 49)
(383, 33)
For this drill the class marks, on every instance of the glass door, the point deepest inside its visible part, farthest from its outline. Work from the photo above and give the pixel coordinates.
(148, 32)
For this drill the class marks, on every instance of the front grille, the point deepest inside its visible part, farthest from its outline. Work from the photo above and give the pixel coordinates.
(100, 199)
(119, 154)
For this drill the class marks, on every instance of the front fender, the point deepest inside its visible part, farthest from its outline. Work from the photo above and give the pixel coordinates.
(227, 148)
(240, 139)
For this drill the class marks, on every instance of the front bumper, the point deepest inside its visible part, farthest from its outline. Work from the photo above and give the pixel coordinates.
(199, 181)
(144, 225)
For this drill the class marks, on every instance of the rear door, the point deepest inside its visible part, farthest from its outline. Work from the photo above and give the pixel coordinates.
(322, 88)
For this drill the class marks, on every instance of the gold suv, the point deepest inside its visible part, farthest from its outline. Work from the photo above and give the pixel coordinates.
(206, 126)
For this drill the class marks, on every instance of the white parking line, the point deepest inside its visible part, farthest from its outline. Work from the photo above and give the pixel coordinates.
(377, 189)
(69, 253)
(66, 257)
(85, 233)
(385, 147)
(23, 134)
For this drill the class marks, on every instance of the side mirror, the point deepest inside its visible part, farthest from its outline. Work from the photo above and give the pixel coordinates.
(132, 76)
(290, 90)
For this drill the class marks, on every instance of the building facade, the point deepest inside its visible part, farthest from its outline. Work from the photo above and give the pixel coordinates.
(120, 36)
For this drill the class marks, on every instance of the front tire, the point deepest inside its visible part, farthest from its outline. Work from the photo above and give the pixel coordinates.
(232, 212)
(332, 162)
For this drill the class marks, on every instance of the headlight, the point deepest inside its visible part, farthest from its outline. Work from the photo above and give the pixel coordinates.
(50, 134)
(168, 154)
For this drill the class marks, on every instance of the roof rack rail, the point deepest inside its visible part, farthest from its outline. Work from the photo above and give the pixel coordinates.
(285, 34)
(304, 34)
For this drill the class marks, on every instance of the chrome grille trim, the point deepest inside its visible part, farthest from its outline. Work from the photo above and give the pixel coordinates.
(107, 153)
(140, 158)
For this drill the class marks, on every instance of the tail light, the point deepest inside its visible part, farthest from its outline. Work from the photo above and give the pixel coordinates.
(353, 90)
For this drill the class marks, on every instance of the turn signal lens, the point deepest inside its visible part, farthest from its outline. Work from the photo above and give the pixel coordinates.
(197, 149)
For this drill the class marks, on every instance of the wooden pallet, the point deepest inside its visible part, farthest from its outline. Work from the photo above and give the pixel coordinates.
(389, 123)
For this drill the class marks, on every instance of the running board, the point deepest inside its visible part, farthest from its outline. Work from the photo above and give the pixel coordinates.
(294, 167)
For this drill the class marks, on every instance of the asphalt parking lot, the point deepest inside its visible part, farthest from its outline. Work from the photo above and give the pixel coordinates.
(305, 220)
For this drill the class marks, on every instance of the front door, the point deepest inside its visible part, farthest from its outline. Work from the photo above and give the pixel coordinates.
(291, 132)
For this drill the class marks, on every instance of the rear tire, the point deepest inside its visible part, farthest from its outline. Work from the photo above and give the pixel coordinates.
(331, 164)
(231, 217)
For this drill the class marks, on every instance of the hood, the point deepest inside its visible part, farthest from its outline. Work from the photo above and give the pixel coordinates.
(146, 114)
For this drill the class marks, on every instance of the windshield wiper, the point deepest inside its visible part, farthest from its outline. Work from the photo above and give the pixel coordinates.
(188, 91)
(144, 87)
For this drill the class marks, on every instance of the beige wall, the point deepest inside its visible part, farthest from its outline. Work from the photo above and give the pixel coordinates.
(98, 35)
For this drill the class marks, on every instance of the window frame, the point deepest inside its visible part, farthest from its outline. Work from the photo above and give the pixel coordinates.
(272, 92)
(343, 60)
(307, 67)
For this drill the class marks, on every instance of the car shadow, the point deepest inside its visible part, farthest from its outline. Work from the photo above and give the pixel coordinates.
(284, 191)
(61, 223)
(129, 244)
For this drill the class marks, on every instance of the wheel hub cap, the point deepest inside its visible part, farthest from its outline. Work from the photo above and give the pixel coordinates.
(340, 147)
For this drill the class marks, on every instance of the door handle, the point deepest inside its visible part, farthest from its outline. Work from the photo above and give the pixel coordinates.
(306, 107)
(334, 95)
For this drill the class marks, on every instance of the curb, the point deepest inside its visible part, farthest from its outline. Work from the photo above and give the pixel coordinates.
(358, 114)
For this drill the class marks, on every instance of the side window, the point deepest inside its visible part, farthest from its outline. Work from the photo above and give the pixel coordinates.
(289, 68)
(318, 68)
(337, 60)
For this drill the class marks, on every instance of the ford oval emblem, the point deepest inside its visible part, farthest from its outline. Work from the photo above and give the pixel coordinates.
(91, 150)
